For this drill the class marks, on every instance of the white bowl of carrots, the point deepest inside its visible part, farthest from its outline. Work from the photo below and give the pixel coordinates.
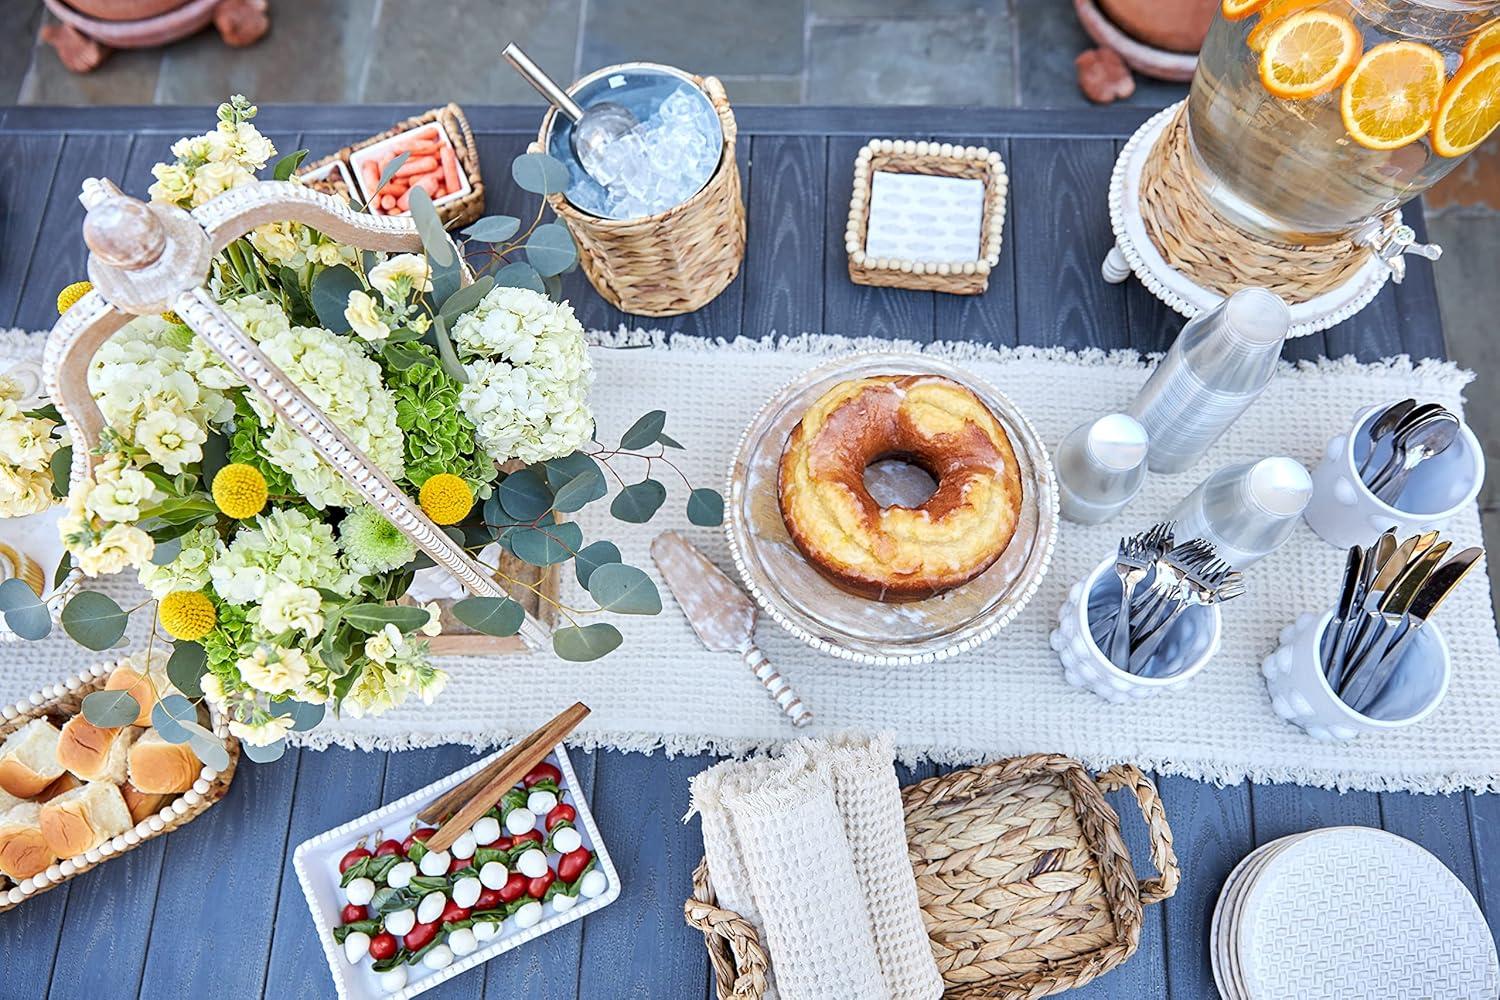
(431, 164)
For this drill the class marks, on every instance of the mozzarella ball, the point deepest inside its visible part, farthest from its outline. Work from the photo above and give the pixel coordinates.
(485, 930)
(435, 863)
(593, 883)
(566, 840)
(463, 847)
(532, 863)
(562, 902)
(518, 821)
(431, 907)
(493, 875)
(486, 831)
(541, 802)
(360, 891)
(400, 921)
(356, 946)
(393, 979)
(466, 892)
(463, 942)
(529, 915)
(400, 875)
(438, 958)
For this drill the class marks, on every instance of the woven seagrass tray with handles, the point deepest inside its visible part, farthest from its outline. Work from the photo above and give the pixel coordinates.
(1025, 882)
(61, 702)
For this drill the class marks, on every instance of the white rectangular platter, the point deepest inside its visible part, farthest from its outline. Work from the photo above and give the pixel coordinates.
(317, 860)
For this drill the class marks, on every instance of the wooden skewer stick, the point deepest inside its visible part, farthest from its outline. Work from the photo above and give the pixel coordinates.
(518, 760)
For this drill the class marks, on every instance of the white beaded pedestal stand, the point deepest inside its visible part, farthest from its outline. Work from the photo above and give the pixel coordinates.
(1135, 251)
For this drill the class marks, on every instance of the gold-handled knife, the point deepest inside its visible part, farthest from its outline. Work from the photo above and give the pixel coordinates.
(721, 614)
(1388, 619)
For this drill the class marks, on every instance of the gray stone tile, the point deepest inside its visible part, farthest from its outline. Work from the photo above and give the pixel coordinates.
(1469, 298)
(450, 51)
(965, 59)
(1490, 521)
(16, 47)
(127, 77)
(755, 38)
(1049, 38)
(315, 51)
(898, 8)
(763, 89)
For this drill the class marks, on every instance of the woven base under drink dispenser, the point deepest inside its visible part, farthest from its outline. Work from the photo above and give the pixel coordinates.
(1025, 883)
(675, 261)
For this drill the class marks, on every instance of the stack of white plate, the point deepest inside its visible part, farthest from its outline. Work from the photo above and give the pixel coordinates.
(1349, 913)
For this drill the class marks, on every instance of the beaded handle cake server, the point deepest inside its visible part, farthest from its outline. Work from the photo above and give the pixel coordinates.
(721, 615)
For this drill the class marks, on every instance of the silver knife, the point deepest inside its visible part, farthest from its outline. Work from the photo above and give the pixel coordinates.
(721, 614)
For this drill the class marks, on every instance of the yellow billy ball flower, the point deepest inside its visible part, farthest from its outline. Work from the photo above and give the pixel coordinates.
(173, 318)
(240, 490)
(187, 614)
(446, 498)
(68, 297)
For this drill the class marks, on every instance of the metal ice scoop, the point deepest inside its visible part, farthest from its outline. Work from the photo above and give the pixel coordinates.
(594, 127)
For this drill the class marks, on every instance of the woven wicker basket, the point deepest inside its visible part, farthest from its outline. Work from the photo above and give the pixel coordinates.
(458, 212)
(673, 262)
(1025, 883)
(59, 703)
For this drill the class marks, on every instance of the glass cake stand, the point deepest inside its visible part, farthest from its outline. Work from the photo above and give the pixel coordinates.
(851, 627)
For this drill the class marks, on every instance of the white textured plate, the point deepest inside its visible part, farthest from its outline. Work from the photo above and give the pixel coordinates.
(1225, 922)
(857, 628)
(317, 861)
(1352, 913)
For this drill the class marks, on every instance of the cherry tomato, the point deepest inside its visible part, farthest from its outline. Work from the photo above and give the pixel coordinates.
(383, 945)
(514, 887)
(352, 913)
(453, 912)
(388, 847)
(571, 866)
(561, 813)
(415, 836)
(353, 858)
(488, 900)
(503, 844)
(459, 864)
(537, 888)
(542, 772)
(419, 936)
(535, 836)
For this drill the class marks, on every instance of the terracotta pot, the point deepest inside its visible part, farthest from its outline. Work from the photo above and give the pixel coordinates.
(125, 10)
(1174, 25)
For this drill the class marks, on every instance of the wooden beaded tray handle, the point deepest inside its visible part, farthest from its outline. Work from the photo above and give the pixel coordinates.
(61, 702)
(147, 259)
(1067, 908)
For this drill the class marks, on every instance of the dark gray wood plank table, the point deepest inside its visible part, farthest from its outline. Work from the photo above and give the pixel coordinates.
(214, 910)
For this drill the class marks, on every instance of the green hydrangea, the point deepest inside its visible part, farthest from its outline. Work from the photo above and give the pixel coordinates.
(231, 639)
(372, 544)
(439, 438)
(247, 446)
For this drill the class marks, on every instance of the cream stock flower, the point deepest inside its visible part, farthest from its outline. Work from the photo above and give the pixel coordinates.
(383, 646)
(24, 492)
(274, 670)
(363, 315)
(386, 277)
(122, 546)
(434, 626)
(173, 184)
(288, 607)
(171, 439)
(262, 733)
(118, 491)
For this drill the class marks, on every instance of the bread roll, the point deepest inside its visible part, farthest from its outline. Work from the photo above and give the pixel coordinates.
(84, 818)
(92, 753)
(161, 767)
(144, 688)
(8, 801)
(66, 783)
(23, 848)
(142, 804)
(28, 759)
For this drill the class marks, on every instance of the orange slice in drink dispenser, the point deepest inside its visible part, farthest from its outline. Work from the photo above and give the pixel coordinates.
(1470, 107)
(1272, 13)
(1309, 53)
(1233, 10)
(1388, 100)
(1485, 40)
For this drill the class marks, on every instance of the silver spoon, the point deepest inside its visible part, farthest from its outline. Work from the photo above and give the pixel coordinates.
(1385, 424)
(1418, 444)
(1414, 418)
(594, 127)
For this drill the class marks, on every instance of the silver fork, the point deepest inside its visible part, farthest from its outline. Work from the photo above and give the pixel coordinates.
(1212, 584)
(1132, 564)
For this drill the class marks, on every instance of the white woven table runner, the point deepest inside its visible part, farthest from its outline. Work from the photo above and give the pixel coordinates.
(662, 690)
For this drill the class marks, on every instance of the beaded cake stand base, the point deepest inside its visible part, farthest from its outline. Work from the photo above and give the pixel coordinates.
(1136, 252)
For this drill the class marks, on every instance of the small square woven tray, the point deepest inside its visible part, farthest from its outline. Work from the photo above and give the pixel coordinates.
(1024, 880)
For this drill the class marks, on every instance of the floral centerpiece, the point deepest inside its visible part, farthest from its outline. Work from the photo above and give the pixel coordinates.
(278, 591)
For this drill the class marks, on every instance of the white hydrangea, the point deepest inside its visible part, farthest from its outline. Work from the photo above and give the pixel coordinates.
(527, 393)
(284, 546)
(345, 384)
(188, 570)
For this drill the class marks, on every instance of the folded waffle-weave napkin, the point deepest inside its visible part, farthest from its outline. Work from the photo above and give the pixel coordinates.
(811, 848)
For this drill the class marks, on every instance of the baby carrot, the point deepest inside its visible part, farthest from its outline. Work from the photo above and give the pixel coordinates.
(417, 165)
(450, 169)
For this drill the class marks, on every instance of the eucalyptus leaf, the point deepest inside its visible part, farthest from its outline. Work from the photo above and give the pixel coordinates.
(645, 431)
(208, 747)
(93, 620)
(446, 354)
(520, 275)
(400, 358)
(215, 455)
(705, 507)
(266, 754)
(15, 594)
(546, 546)
(446, 271)
(304, 715)
(186, 666)
(524, 495)
(552, 287)
(386, 173)
(63, 571)
(287, 165)
(560, 471)
(539, 173)
(550, 249)
(166, 549)
(61, 468)
(639, 502)
(330, 296)
(111, 709)
(371, 618)
(467, 297)
(588, 642)
(669, 442)
(494, 228)
(624, 590)
(576, 493)
(168, 715)
(592, 557)
(490, 615)
(31, 623)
